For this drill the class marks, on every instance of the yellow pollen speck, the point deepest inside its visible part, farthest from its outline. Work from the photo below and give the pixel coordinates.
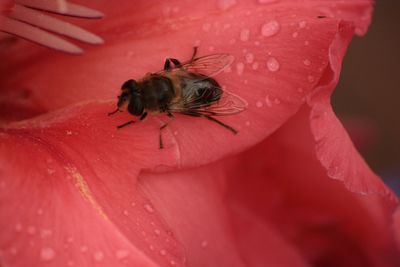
(83, 188)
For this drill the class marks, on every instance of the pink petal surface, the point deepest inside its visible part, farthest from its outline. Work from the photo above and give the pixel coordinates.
(122, 205)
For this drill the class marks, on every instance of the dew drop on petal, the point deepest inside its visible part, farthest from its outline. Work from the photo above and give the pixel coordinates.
(121, 254)
(302, 24)
(47, 254)
(84, 249)
(277, 101)
(268, 101)
(307, 62)
(249, 58)
(273, 64)
(172, 262)
(163, 252)
(204, 243)
(254, 66)
(31, 230)
(267, 1)
(310, 78)
(295, 34)
(157, 231)
(151, 247)
(259, 104)
(306, 43)
(244, 35)
(239, 68)
(270, 28)
(70, 263)
(98, 256)
(225, 4)
(149, 208)
(18, 227)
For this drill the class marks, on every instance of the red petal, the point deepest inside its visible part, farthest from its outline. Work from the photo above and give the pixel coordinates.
(274, 93)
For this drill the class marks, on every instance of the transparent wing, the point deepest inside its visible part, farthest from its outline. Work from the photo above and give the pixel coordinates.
(209, 65)
(219, 103)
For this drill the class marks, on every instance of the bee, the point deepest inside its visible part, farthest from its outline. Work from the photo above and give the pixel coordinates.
(185, 88)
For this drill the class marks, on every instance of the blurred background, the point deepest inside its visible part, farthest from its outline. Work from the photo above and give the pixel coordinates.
(367, 99)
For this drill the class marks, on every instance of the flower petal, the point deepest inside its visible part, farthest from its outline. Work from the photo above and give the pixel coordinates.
(273, 73)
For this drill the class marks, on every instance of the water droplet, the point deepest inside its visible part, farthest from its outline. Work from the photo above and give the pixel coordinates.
(254, 66)
(70, 263)
(244, 35)
(31, 230)
(249, 58)
(47, 254)
(163, 252)
(256, 43)
(259, 104)
(39, 211)
(68, 132)
(295, 34)
(307, 62)
(247, 124)
(270, 28)
(98, 256)
(277, 101)
(306, 43)
(126, 213)
(300, 90)
(227, 26)
(151, 247)
(239, 68)
(206, 27)
(267, 1)
(45, 233)
(310, 78)
(302, 24)
(50, 171)
(176, 9)
(204, 243)
(211, 48)
(84, 249)
(18, 227)
(172, 262)
(268, 101)
(232, 41)
(157, 231)
(121, 254)
(70, 239)
(13, 251)
(149, 208)
(225, 4)
(273, 64)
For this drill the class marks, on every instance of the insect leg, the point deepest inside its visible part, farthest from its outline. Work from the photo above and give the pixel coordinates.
(176, 62)
(167, 64)
(169, 114)
(196, 114)
(113, 112)
(125, 124)
(233, 130)
(144, 115)
(194, 53)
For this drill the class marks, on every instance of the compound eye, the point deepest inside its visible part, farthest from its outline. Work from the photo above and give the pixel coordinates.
(129, 84)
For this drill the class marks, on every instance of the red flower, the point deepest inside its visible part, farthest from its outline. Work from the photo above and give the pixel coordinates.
(75, 191)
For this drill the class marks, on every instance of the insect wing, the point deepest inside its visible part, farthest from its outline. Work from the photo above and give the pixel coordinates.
(228, 104)
(219, 103)
(209, 65)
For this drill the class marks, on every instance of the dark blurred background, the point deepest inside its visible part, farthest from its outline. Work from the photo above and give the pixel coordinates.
(367, 99)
